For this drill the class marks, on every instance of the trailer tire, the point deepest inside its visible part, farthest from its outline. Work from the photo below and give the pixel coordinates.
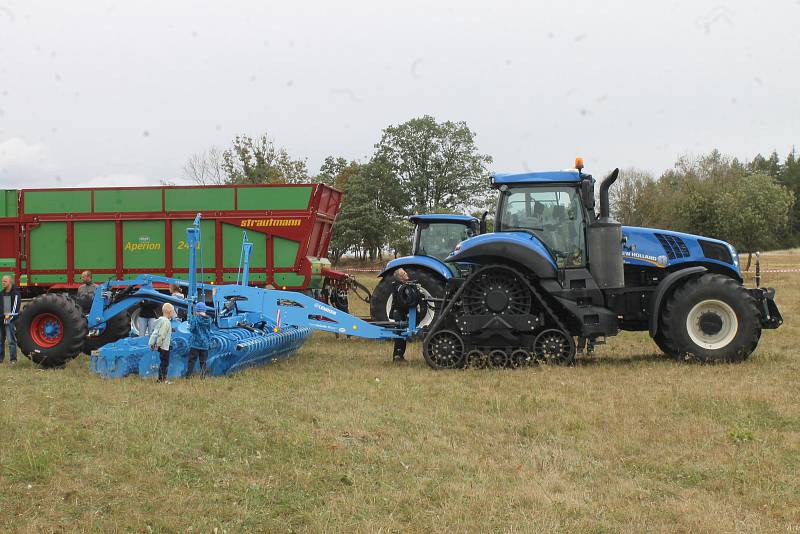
(117, 327)
(381, 301)
(51, 330)
(711, 318)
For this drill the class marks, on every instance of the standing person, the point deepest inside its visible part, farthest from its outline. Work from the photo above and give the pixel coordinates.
(175, 291)
(148, 311)
(161, 338)
(200, 327)
(86, 291)
(398, 314)
(9, 307)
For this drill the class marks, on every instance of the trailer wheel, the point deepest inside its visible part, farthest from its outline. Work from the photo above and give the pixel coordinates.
(432, 287)
(711, 318)
(51, 330)
(117, 327)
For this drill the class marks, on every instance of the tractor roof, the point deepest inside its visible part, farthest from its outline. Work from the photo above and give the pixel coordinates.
(443, 217)
(546, 177)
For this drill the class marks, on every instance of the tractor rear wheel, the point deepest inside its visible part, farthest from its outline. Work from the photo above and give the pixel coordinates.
(51, 330)
(117, 327)
(711, 318)
(433, 286)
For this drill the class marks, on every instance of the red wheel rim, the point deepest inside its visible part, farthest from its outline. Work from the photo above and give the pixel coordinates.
(47, 330)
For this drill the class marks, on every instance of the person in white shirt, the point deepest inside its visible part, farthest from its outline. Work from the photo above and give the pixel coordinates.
(161, 338)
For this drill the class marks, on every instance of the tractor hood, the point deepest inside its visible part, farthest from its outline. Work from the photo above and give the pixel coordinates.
(662, 248)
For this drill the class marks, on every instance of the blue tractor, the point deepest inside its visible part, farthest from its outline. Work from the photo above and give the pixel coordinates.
(435, 237)
(553, 270)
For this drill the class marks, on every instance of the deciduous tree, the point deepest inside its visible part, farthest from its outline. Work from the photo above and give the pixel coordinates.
(437, 165)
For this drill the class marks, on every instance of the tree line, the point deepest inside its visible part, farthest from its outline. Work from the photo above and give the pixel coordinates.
(751, 204)
(426, 166)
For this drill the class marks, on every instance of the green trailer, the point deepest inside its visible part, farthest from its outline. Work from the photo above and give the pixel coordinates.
(49, 236)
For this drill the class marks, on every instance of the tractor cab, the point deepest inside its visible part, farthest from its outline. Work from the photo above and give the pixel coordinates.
(436, 235)
(551, 211)
(557, 208)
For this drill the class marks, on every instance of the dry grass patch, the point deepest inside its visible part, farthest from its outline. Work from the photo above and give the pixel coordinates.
(339, 439)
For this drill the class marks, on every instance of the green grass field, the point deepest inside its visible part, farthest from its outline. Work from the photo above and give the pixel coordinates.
(339, 439)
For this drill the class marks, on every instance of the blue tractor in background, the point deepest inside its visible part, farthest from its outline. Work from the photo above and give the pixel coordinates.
(553, 270)
(435, 237)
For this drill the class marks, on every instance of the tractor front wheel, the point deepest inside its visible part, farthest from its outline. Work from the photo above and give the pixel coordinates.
(51, 330)
(711, 318)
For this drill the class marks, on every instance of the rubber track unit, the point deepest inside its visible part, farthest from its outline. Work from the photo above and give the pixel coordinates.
(451, 302)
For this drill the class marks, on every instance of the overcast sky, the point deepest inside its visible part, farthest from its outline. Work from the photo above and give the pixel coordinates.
(122, 93)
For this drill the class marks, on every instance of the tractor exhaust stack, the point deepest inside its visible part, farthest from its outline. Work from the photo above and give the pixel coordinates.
(605, 210)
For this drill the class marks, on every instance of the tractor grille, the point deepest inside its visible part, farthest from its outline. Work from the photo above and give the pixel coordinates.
(673, 246)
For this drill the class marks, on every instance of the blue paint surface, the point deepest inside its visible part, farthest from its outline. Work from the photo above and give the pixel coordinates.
(426, 262)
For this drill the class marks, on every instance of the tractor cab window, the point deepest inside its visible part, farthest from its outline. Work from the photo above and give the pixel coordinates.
(554, 214)
(439, 239)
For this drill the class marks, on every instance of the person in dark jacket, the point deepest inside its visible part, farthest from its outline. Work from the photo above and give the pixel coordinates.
(85, 294)
(200, 327)
(10, 299)
(398, 314)
(148, 312)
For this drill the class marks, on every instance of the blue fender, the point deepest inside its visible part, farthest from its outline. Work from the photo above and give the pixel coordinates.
(521, 247)
(418, 261)
(664, 287)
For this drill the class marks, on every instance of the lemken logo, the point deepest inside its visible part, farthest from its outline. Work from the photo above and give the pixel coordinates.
(325, 309)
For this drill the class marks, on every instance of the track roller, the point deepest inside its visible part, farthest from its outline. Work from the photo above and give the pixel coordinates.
(499, 358)
(554, 346)
(444, 350)
(521, 357)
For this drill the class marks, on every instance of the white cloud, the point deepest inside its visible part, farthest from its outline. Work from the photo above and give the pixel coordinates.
(27, 165)
(125, 180)
(24, 164)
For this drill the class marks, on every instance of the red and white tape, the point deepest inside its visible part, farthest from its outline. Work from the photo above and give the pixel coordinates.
(745, 272)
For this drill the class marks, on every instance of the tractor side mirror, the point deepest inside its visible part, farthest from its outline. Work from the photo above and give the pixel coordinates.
(587, 192)
(482, 227)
